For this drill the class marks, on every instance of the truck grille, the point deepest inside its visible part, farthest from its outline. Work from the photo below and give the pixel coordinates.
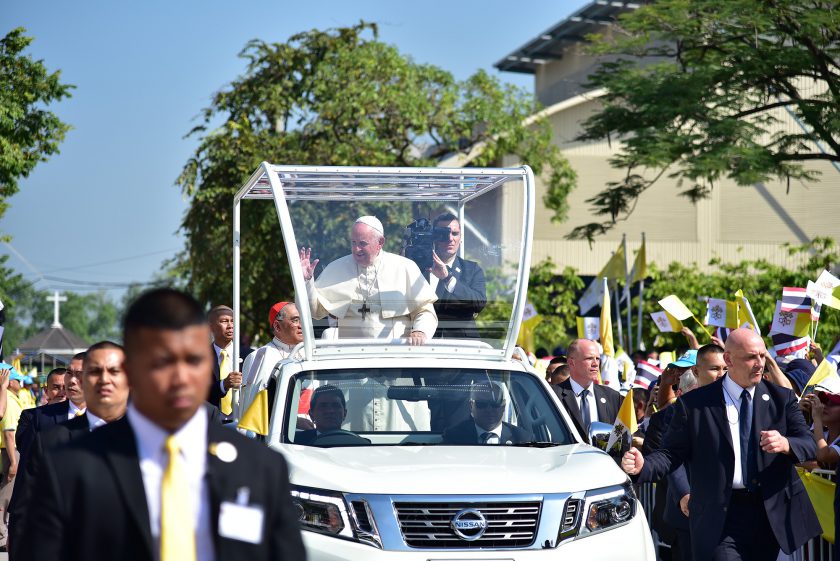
(428, 525)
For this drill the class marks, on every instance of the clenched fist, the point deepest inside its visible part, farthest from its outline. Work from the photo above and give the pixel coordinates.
(632, 461)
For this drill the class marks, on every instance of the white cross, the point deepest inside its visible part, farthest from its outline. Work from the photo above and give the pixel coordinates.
(56, 298)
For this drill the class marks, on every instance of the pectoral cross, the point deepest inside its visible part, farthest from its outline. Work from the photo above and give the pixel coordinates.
(364, 310)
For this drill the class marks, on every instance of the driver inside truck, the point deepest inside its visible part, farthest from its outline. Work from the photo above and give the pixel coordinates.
(327, 409)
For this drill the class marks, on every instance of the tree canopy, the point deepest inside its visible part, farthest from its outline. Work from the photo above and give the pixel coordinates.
(28, 132)
(336, 97)
(720, 83)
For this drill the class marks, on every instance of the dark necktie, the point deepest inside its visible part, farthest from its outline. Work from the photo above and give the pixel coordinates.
(745, 433)
(485, 436)
(584, 412)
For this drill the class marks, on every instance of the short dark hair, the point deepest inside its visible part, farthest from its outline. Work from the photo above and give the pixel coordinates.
(220, 311)
(56, 372)
(559, 359)
(103, 345)
(445, 217)
(164, 309)
(326, 390)
(79, 356)
(709, 349)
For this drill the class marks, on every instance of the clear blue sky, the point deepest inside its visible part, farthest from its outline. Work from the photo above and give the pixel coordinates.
(143, 71)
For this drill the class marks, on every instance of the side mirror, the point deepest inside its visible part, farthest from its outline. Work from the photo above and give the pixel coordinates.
(599, 434)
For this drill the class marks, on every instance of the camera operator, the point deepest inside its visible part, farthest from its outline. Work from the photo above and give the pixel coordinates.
(458, 284)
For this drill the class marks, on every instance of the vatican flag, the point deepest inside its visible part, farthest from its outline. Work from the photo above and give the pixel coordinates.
(721, 313)
(666, 323)
(255, 418)
(790, 323)
(530, 320)
(588, 328)
(625, 424)
(824, 371)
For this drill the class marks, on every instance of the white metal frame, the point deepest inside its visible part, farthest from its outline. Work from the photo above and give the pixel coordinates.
(267, 182)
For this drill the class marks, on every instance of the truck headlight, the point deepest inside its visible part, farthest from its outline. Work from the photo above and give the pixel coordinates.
(606, 508)
(326, 512)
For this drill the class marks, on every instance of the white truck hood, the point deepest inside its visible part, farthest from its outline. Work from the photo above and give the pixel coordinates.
(461, 470)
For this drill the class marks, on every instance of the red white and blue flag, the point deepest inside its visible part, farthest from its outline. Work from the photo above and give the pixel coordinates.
(790, 345)
(795, 300)
(646, 374)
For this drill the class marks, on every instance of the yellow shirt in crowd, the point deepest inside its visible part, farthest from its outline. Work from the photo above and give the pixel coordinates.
(10, 419)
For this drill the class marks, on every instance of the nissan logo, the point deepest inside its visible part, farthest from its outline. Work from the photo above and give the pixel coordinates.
(469, 524)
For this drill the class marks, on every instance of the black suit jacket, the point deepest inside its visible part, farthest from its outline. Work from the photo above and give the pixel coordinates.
(464, 433)
(216, 392)
(699, 436)
(37, 419)
(456, 310)
(30, 465)
(607, 402)
(91, 504)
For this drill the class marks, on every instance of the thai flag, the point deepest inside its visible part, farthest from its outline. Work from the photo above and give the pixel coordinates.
(786, 345)
(722, 333)
(795, 300)
(646, 374)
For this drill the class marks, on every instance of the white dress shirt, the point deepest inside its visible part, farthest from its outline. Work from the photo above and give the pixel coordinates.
(497, 434)
(72, 410)
(192, 441)
(732, 397)
(94, 422)
(590, 399)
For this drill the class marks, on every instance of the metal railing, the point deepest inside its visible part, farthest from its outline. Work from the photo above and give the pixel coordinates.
(816, 549)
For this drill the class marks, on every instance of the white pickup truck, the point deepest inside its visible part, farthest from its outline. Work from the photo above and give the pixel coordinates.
(398, 475)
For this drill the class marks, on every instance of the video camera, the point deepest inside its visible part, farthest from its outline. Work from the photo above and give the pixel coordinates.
(419, 241)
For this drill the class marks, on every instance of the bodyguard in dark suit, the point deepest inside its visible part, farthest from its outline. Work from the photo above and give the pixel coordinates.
(105, 388)
(740, 449)
(163, 482)
(221, 326)
(602, 403)
(459, 284)
(37, 419)
(485, 425)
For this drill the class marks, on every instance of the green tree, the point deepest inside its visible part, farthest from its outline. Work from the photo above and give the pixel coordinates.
(712, 105)
(28, 132)
(337, 97)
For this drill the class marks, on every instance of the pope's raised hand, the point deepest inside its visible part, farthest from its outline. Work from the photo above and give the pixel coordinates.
(632, 462)
(306, 262)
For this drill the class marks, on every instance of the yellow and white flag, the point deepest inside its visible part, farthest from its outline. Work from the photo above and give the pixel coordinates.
(625, 424)
(593, 294)
(674, 306)
(530, 320)
(824, 371)
(666, 323)
(589, 328)
(721, 313)
(255, 418)
(790, 323)
(746, 318)
(605, 329)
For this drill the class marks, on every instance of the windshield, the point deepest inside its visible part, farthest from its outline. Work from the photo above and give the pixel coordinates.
(415, 406)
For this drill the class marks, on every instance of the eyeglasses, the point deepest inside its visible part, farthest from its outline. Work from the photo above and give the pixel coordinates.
(485, 404)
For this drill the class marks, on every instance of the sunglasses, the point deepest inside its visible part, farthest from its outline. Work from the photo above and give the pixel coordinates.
(485, 404)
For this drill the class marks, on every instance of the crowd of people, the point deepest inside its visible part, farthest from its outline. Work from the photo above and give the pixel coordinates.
(736, 418)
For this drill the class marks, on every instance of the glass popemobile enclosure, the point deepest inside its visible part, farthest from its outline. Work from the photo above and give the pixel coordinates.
(410, 430)
(417, 256)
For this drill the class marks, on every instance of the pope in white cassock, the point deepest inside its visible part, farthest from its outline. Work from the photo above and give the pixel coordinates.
(372, 293)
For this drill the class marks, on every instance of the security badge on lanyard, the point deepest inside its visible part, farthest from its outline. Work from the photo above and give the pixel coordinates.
(241, 521)
(238, 520)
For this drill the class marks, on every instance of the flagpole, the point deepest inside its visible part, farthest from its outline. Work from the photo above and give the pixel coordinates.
(618, 314)
(639, 342)
(629, 307)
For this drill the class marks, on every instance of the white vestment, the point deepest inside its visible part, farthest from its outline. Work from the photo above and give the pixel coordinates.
(369, 409)
(257, 368)
(387, 299)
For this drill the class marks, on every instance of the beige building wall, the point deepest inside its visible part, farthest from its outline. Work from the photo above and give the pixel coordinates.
(734, 224)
